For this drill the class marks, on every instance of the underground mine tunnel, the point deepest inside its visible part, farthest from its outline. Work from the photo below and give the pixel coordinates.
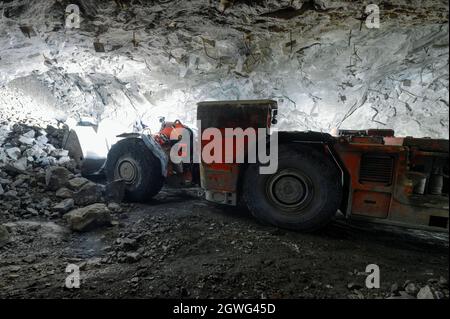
(224, 149)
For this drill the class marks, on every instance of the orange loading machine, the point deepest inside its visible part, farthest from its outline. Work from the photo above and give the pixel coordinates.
(368, 174)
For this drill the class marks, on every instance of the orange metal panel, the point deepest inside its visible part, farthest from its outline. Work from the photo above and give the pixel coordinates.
(371, 204)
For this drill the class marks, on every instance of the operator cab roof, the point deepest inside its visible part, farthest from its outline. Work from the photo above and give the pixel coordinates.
(242, 103)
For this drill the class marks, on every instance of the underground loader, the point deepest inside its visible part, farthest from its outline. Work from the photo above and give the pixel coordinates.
(365, 174)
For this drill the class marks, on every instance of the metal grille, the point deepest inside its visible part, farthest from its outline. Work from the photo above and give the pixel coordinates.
(376, 169)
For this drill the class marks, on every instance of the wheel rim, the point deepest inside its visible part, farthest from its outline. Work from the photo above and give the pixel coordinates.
(126, 169)
(290, 190)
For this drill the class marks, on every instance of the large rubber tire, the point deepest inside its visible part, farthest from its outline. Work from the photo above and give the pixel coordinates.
(304, 194)
(131, 161)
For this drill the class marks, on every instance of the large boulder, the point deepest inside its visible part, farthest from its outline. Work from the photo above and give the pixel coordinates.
(56, 177)
(88, 218)
(426, 293)
(90, 193)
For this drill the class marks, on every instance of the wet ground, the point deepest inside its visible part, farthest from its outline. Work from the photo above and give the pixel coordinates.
(180, 246)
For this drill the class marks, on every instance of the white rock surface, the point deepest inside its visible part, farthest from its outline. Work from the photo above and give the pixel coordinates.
(21, 164)
(325, 68)
(26, 140)
(13, 152)
(425, 293)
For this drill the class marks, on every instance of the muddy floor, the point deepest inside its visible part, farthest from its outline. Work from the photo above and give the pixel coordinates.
(180, 246)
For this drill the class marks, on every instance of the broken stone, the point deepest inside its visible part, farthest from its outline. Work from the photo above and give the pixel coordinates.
(114, 207)
(443, 283)
(29, 259)
(71, 165)
(439, 295)
(411, 289)
(132, 257)
(4, 181)
(4, 235)
(56, 178)
(425, 293)
(395, 288)
(19, 180)
(77, 182)
(127, 244)
(90, 193)
(36, 152)
(115, 191)
(64, 206)
(64, 160)
(21, 164)
(12, 171)
(44, 203)
(88, 218)
(29, 134)
(64, 193)
(47, 161)
(402, 295)
(12, 194)
(59, 153)
(42, 140)
(13, 153)
(54, 215)
(353, 286)
(32, 211)
(15, 268)
(26, 140)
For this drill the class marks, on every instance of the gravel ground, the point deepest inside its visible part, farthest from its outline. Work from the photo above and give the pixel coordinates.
(180, 246)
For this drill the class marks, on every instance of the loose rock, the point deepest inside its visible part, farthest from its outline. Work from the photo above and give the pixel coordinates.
(64, 193)
(425, 293)
(4, 235)
(402, 295)
(411, 289)
(90, 193)
(64, 206)
(88, 218)
(114, 207)
(13, 153)
(56, 177)
(115, 191)
(77, 182)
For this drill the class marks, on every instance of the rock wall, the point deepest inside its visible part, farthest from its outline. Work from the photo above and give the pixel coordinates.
(317, 58)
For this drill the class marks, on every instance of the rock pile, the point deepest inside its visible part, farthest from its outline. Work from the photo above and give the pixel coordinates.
(433, 289)
(39, 180)
(26, 146)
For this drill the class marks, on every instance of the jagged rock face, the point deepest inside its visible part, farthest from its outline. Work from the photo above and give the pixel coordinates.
(317, 58)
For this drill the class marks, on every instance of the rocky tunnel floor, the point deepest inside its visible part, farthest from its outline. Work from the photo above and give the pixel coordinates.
(180, 246)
